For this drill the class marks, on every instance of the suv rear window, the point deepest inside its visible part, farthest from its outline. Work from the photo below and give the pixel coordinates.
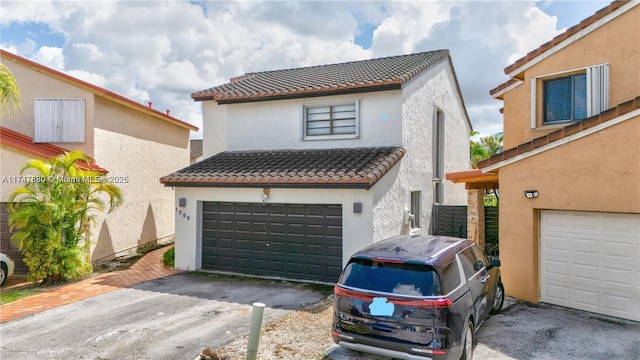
(393, 278)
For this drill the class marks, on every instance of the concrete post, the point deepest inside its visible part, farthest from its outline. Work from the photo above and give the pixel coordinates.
(254, 331)
(475, 216)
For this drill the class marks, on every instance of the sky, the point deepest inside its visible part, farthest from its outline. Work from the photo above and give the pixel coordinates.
(162, 51)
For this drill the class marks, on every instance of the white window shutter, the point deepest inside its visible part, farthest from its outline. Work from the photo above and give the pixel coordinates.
(597, 89)
(59, 120)
(533, 102)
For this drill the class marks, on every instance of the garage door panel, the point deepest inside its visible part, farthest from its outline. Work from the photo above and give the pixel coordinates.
(587, 298)
(619, 277)
(557, 242)
(621, 250)
(553, 267)
(619, 303)
(591, 261)
(283, 240)
(586, 272)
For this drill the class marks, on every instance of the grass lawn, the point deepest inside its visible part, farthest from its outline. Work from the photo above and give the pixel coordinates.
(7, 296)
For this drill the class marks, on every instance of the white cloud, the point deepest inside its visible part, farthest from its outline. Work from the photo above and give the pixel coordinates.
(164, 50)
(50, 56)
(91, 78)
(537, 29)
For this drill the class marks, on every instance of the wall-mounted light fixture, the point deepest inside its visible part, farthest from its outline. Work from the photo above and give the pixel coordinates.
(530, 194)
(265, 194)
(182, 202)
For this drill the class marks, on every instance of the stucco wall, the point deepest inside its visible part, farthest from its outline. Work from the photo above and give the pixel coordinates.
(11, 161)
(615, 43)
(141, 149)
(33, 85)
(278, 124)
(356, 228)
(600, 172)
(434, 89)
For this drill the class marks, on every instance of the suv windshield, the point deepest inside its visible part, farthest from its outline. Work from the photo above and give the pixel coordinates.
(390, 277)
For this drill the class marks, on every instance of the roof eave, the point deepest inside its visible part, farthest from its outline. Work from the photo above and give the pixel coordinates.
(299, 95)
(568, 37)
(96, 90)
(623, 112)
(292, 185)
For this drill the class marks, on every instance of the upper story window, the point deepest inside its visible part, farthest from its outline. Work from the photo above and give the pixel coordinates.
(59, 120)
(565, 99)
(438, 157)
(331, 121)
(569, 96)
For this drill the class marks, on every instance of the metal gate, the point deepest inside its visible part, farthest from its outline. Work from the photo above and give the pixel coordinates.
(451, 220)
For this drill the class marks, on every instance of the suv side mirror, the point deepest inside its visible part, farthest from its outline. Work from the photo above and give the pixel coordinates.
(494, 262)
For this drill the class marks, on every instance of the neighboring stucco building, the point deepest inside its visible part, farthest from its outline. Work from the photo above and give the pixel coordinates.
(305, 166)
(134, 143)
(570, 177)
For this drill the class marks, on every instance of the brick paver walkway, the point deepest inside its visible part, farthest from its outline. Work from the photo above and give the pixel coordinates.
(149, 267)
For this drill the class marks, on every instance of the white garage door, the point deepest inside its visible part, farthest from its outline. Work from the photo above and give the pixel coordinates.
(591, 261)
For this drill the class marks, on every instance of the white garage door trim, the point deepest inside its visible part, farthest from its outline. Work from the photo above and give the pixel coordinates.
(591, 261)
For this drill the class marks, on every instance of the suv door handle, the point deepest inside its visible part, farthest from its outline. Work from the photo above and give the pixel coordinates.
(484, 280)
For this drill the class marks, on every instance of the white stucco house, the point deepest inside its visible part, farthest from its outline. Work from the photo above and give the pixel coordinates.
(132, 143)
(303, 167)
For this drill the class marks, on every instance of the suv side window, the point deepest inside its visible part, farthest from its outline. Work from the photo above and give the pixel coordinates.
(468, 261)
(450, 278)
(481, 259)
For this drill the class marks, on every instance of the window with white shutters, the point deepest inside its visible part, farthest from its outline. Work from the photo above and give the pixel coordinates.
(59, 120)
(569, 96)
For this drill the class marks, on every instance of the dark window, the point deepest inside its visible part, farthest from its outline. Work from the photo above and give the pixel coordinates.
(392, 278)
(331, 120)
(450, 278)
(468, 263)
(416, 208)
(438, 157)
(481, 258)
(565, 99)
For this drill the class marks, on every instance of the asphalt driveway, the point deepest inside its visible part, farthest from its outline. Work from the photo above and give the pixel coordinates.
(174, 317)
(544, 332)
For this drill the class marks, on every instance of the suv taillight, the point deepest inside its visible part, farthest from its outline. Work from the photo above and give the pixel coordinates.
(436, 303)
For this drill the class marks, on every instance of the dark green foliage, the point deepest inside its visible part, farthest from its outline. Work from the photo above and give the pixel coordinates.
(168, 258)
(53, 216)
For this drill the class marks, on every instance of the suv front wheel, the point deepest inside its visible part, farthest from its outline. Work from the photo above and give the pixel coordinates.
(498, 299)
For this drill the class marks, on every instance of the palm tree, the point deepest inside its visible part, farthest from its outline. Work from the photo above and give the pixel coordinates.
(9, 92)
(485, 148)
(53, 214)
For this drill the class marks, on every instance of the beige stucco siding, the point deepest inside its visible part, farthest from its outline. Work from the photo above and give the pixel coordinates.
(11, 161)
(600, 172)
(137, 149)
(34, 84)
(615, 43)
(147, 213)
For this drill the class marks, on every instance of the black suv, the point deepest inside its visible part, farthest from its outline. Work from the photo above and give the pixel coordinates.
(416, 297)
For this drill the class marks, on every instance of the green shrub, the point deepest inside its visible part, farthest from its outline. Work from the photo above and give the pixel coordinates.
(53, 214)
(168, 258)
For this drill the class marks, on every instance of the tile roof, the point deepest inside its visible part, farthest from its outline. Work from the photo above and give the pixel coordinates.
(23, 143)
(99, 91)
(356, 76)
(318, 168)
(564, 132)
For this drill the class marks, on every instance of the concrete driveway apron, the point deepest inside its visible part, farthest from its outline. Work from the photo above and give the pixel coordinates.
(149, 267)
(170, 317)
